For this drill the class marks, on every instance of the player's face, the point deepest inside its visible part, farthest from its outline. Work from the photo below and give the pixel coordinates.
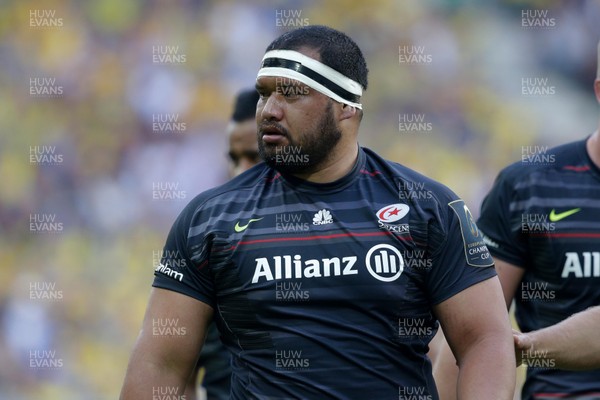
(296, 125)
(243, 147)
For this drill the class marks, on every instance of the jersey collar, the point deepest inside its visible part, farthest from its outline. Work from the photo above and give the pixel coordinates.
(320, 188)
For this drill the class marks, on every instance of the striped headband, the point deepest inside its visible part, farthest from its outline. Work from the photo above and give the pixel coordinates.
(294, 65)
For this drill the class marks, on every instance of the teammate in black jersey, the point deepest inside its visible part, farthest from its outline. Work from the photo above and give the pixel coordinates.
(543, 228)
(541, 221)
(572, 343)
(326, 268)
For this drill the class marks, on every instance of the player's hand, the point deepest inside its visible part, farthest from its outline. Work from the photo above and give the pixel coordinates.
(523, 346)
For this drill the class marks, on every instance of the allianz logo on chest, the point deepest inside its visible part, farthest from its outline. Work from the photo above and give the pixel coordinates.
(383, 262)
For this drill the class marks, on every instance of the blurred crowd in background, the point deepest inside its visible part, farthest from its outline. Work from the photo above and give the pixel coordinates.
(113, 113)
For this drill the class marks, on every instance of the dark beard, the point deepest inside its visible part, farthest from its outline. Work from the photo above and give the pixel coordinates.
(307, 155)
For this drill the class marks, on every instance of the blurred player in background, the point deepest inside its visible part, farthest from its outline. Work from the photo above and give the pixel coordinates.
(314, 312)
(213, 364)
(541, 222)
(243, 145)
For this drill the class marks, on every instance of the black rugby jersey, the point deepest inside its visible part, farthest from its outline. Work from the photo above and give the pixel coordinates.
(326, 290)
(543, 215)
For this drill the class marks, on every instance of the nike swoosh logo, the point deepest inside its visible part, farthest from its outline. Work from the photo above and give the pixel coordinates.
(242, 228)
(557, 217)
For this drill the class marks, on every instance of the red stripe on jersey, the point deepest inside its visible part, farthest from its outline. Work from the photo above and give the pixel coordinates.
(332, 236)
(568, 235)
(561, 395)
(364, 171)
(277, 175)
(577, 169)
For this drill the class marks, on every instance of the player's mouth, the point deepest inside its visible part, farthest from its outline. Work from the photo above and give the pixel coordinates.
(272, 134)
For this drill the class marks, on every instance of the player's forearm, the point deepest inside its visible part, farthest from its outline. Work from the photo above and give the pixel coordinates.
(570, 344)
(487, 370)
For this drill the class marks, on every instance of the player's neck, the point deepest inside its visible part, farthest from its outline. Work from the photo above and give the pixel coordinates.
(593, 147)
(335, 167)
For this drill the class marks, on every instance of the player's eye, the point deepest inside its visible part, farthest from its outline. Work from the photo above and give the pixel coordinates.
(262, 93)
(233, 157)
(293, 91)
(289, 92)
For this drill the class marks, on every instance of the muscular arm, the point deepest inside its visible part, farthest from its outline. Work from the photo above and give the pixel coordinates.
(571, 344)
(445, 370)
(167, 347)
(476, 325)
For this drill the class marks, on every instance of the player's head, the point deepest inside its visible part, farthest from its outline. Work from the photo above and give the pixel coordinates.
(243, 147)
(311, 82)
(336, 50)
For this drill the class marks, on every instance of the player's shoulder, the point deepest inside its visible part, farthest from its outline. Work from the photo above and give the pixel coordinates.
(539, 160)
(410, 183)
(235, 188)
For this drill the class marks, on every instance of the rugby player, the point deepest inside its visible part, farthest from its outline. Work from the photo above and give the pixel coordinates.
(541, 221)
(339, 306)
(243, 146)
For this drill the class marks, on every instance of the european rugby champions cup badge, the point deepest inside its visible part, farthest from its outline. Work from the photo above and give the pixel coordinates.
(476, 252)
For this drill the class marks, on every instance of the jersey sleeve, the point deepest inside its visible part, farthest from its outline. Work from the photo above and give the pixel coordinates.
(460, 257)
(501, 229)
(184, 265)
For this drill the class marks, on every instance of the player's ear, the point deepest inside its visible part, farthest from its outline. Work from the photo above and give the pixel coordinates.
(347, 112)
(597, 89)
